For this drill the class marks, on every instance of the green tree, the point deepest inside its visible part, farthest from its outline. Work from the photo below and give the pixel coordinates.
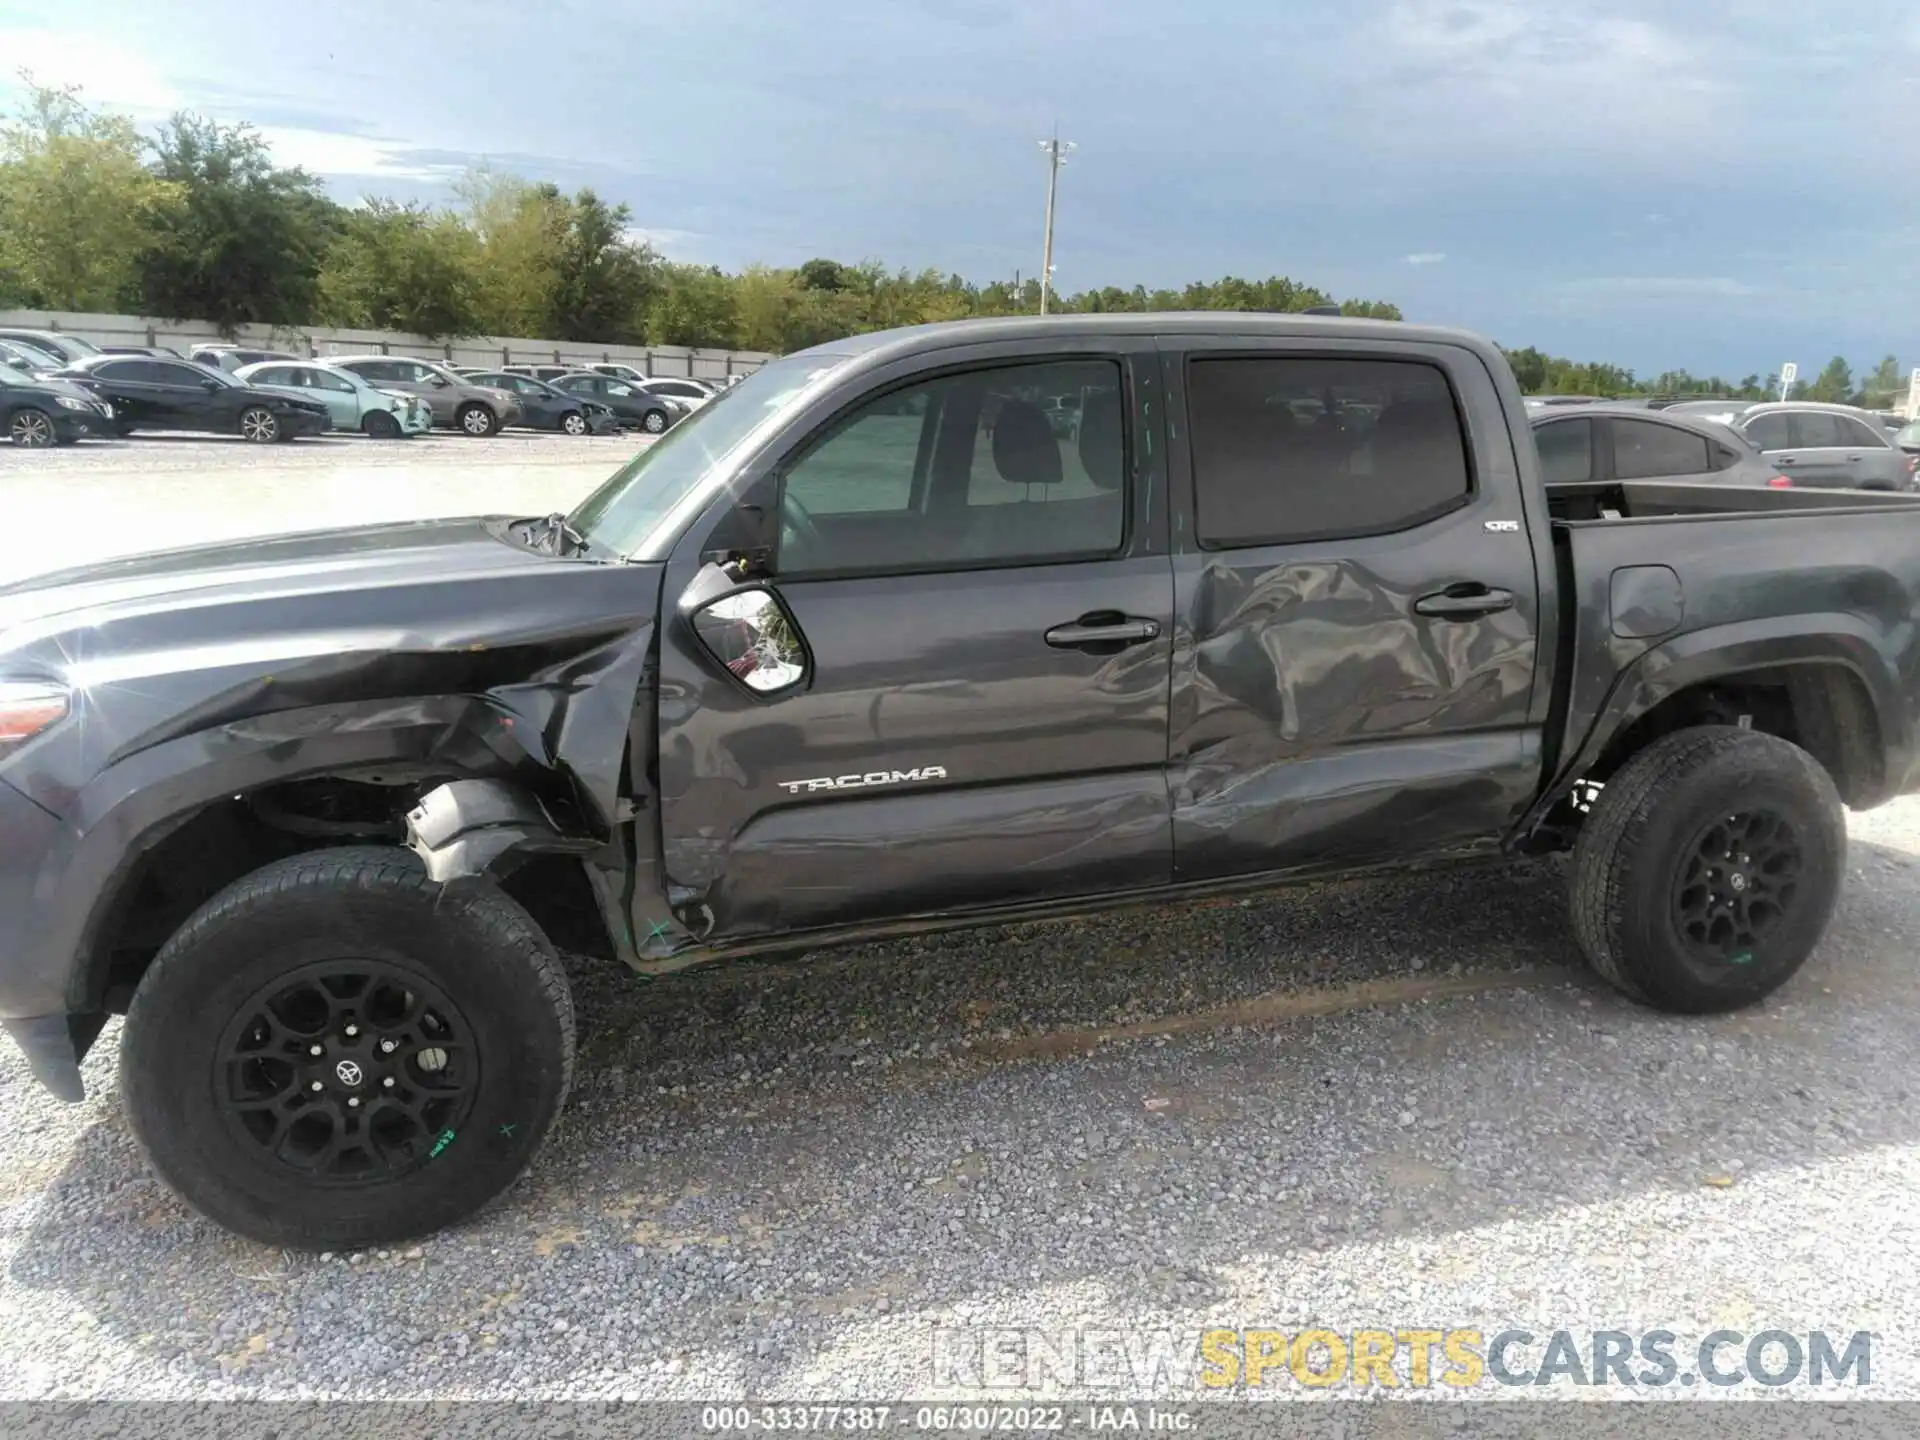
(519, 227)
(1885, 385)
(401, 267)
(693, 305)
(243, 241)
(1834, 384)
(602, 281)
(76, 204)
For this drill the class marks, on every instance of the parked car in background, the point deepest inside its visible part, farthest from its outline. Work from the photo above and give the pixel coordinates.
(617, 370)
(693, 392)
(179, 395)
(546, 408)
(547, 373)
(1600, 444)
(635, 408)
(1833, 447)
(1907, 437)
(456, 402)
(38, 410)
(352, 403)
(27, 358)
(61, 347)
(163, 352)
(231, 358)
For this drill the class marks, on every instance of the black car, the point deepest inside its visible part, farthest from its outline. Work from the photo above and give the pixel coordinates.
(37, 411)
(177, 395)
(545, 408)
(654, 414)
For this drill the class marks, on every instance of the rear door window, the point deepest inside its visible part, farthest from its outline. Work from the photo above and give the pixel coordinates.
(1857, 432)
(1288, 450)
(1646, 449)
(1566, 451)
(1815, 430)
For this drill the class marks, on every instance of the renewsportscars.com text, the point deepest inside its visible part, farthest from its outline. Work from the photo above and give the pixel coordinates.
(1158, 1362)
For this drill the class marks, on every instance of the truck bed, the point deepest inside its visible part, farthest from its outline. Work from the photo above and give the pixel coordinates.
(1652, 575)
(1608, 500)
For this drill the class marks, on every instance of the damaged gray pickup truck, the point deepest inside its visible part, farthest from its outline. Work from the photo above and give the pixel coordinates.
(968, 623)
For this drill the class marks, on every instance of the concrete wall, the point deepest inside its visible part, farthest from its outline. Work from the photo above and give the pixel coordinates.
(322, 341)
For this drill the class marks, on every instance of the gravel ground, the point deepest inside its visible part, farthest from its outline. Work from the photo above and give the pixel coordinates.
(1387, 1103)
(120, 497)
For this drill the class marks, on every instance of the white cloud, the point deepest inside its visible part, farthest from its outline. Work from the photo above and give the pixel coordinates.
(1661, 286)
(110, 74)
(326, 153)
(1425, 257)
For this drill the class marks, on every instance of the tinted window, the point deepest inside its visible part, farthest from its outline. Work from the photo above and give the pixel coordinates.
(1643, 449)
(379, 371)
(1813, 429)
(135, 370)
(1769, 432)
(961, 471)
(1856, 432)
(1566, 451)
(1302, 449)
(170, 373)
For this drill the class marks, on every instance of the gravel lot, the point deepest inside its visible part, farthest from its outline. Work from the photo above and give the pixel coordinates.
(1394, 1104)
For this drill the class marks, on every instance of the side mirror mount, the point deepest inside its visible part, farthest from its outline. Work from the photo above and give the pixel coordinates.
(440, 382)
(747, 630)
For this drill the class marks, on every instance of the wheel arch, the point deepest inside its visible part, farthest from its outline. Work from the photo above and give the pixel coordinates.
(1822, 683)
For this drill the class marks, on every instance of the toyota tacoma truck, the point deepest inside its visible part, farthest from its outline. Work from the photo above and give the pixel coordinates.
(989, 621)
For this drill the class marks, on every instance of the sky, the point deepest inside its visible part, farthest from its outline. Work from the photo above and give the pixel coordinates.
(1657, 183)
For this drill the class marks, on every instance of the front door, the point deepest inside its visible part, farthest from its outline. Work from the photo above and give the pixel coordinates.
(984, 600)
(1358, 584)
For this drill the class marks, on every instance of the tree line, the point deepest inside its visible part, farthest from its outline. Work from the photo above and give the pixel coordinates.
(199, 223)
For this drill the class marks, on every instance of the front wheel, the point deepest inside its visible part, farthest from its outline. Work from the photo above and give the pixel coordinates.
(335, 1052)
(259, 425)
(654, 422)
(32, 429)
(1708, 868)
(477, 419)
(574, 423)
(381, 425)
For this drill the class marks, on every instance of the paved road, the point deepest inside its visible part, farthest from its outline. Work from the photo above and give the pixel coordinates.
(1390, 1104)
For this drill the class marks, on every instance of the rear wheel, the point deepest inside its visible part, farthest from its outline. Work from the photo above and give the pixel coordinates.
(336, 1052)
(574, 423)
(477, 419)
(1708, 869)
(381, 425)
(31, 428)
(654, 422)
(259, 425)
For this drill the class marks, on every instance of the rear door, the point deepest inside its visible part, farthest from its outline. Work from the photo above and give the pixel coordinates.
(1357, 601)
(128, 386)
(1873, 461)
(985, 610)
(1819, 452)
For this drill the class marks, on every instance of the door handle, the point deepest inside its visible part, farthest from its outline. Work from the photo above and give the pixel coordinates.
(1464, 602)
(1103, 629)
(1784, 460)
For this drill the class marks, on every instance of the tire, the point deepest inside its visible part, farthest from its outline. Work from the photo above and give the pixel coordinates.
(259, 425)
(574, 423)
(476, 419)
(32, 429)
(654, 422)
(460, 978)
(1708, 869)
(381, 425)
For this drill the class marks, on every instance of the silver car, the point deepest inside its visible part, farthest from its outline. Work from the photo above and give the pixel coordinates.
(1827, 447)
(1602, 443)
(456, 402)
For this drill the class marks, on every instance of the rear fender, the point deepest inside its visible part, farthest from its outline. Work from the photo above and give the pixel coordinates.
(1724, 652)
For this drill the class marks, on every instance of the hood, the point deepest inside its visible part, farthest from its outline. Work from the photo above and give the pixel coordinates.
(161, 645)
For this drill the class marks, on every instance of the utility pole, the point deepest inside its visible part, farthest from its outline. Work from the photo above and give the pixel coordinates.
(1056, 151)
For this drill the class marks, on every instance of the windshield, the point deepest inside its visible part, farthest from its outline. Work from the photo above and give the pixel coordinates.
(1908, 435)
(639, 510)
